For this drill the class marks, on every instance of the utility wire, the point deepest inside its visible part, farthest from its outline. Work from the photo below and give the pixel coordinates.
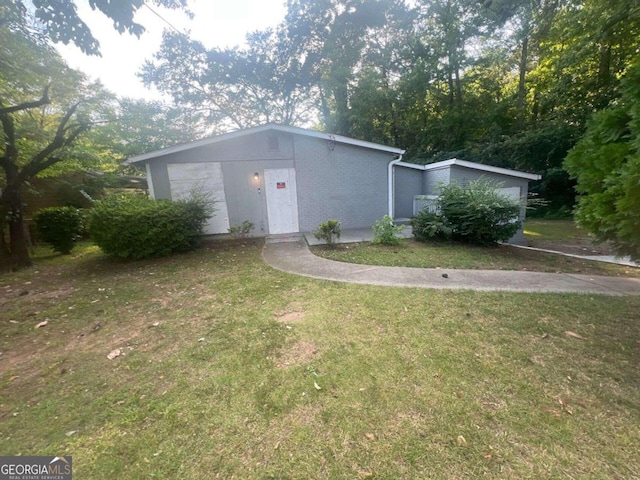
(163, 19)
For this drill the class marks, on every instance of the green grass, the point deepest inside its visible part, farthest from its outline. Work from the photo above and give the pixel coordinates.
(224, 385)
(411, 253)
(563, 236)
(537, 228)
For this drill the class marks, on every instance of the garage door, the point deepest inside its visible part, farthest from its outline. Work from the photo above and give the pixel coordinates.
(512, 193)
(185, 178)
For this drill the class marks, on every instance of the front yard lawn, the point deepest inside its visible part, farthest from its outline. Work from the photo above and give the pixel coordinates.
(411, 253)
(230, 369)
(563, 236)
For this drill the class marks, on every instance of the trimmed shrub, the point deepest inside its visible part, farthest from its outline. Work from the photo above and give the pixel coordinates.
(385, 232)
(475, 213)
(60, 227)
(132, 227)
(328, 231)
(429, 226)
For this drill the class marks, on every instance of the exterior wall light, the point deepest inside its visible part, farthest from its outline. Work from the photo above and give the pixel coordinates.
(256, 176)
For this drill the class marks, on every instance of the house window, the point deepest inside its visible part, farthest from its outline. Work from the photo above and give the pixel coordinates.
(274, 145)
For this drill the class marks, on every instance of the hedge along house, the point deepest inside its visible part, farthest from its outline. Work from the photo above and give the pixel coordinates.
(282, 179)
(417, 185)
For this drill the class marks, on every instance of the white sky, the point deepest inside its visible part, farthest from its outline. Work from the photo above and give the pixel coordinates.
(222, 23)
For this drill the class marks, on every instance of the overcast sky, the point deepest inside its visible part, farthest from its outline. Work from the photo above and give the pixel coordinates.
(216, 23)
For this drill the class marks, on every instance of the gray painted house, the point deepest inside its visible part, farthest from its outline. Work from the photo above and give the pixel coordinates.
(282, 179)
(286, 179)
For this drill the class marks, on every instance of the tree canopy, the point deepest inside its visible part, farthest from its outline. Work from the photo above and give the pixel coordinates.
(60, 21)
(53, 120)
(606, 165)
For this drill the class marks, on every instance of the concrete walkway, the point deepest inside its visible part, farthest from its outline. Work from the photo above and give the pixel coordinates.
(295, 257)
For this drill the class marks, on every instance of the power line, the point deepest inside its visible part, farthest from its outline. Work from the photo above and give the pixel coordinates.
(162, 18)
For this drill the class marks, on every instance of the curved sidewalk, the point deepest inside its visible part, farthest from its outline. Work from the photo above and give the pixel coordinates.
(295, 257)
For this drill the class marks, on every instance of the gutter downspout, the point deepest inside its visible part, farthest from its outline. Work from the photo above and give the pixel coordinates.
(391, 188)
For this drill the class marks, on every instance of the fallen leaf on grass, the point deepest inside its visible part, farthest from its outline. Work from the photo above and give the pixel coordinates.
(114, 353)
(370, 436)
(565, 407)
(317, 387)
(70, 433)
(573, 335)
(365, 473)
(41, 324)
(462, 441)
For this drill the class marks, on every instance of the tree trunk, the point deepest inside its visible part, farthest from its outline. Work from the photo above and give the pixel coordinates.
(341, 99)
(604, 75)
(451, 89)
(522, 91)
(15, 254)
(326, 111)
(458, 86)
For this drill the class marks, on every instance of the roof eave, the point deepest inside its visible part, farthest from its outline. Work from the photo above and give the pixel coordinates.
(281, 128)
(475, 166)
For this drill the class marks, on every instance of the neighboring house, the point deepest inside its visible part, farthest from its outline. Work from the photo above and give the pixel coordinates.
(417, 185)
(288, 180)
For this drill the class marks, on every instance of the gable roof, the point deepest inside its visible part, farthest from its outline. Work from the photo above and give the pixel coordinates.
(472, 165)
(262, 128)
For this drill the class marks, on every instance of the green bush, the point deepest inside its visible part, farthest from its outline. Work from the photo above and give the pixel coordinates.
(60, 227)
(606, 165)
(385, 232)
(474, 213)
(133, 227)
(241, 230)
(328, 231)
(429, 226)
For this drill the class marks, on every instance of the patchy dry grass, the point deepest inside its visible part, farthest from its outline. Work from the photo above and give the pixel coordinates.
(561, 235)
(234, 370)
(411, 253)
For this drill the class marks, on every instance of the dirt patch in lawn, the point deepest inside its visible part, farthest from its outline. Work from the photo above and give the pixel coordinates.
(293, 313)
(300, 353)
(290, 317)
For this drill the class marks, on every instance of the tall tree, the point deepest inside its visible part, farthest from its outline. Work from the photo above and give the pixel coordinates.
(606, 165)
(377, 111)
(233, 88)
(45, 107)
(330, 36)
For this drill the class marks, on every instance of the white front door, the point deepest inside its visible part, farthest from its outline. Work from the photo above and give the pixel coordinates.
(282, 200)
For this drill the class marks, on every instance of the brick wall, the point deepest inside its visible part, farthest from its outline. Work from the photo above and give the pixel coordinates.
(408, 183)
(433, 179)
(338, 181)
